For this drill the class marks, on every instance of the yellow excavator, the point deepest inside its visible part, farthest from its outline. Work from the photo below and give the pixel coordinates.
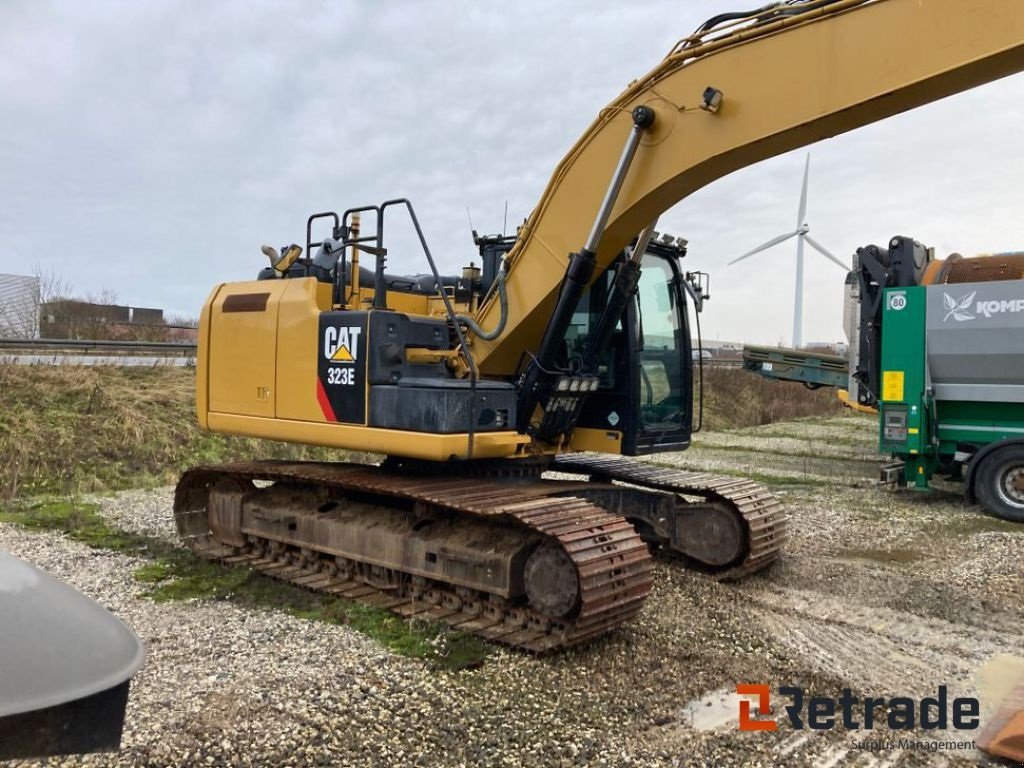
(567, 351)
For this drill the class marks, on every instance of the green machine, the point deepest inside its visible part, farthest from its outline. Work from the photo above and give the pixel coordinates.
(952, 389)
(937, 350)
(937, 347)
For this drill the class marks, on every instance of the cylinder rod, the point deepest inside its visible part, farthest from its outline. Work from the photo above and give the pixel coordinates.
(643, 118)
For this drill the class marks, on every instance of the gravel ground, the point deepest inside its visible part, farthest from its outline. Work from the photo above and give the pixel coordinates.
(887, 593)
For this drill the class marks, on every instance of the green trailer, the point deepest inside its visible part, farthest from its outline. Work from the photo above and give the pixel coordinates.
(937, 348)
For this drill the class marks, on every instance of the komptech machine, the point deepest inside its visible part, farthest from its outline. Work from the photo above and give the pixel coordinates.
(937, 348)
(568, 351)
(937, 353)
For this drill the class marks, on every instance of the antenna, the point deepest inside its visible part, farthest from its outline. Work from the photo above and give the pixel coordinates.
(471, 229)
(504, 223)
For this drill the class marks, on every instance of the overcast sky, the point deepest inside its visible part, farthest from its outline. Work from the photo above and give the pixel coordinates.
(150, 148)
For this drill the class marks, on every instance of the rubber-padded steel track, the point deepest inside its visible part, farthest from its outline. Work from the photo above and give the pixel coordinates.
(612, 562)
(760, 510)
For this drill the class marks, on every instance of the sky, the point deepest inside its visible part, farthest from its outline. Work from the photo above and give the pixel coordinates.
(149, 149)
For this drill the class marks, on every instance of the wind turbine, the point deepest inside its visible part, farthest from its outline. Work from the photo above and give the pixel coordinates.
(801, 234)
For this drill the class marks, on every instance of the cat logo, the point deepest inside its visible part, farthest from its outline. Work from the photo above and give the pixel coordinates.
(341, 345)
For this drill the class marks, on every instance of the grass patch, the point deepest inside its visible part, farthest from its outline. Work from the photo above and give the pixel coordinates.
(827, 435)
(76, 520)
(68, 430)
(177, 574)
(822, 457)
(152, 573)
(735, 399)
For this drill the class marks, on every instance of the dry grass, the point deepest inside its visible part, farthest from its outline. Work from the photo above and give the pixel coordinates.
(734, 399)
(81, 429)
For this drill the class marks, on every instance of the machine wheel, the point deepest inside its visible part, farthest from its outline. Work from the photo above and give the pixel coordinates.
(999, 483)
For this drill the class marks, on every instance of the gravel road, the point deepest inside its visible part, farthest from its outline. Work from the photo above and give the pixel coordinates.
(885, 593)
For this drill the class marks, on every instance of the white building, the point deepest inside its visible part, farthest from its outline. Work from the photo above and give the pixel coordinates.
(19, 307)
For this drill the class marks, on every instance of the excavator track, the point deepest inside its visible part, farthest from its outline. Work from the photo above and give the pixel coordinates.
(601, 552)
(764, 523)
(582, 531)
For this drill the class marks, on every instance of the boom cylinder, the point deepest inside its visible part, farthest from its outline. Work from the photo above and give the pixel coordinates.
(533, 385)
(643, 118)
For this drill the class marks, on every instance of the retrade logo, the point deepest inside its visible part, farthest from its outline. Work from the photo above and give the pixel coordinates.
(819, 713)
(748, 723)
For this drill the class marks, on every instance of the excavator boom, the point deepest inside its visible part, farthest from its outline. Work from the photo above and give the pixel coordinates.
(786, 81)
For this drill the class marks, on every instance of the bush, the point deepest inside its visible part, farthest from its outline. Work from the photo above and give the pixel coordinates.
(735, 398)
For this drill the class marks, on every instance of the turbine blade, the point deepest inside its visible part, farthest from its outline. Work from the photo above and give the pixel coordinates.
(825, 252)
(803, 194)
(765, 246)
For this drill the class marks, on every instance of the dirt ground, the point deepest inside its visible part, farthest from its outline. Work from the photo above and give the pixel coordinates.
(886, 593)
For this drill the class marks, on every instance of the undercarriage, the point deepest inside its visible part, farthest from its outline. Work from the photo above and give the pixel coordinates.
(528, 561)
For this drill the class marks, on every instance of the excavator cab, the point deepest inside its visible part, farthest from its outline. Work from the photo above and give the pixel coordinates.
(645, 376)
(644, 400)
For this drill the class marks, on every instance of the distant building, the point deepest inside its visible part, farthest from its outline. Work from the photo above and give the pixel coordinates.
(725, 350)
(71, 319)
(19, 307)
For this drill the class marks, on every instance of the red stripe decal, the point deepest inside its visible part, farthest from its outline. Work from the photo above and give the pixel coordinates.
(325, 404)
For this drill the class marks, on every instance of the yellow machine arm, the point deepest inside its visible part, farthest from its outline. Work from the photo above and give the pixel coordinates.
(785, 81)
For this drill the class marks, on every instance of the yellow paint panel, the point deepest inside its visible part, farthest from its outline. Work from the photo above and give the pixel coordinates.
(892, 385)
(913, 431)
(417, 445)
(600, 440)
(242, 344)
(297, 336)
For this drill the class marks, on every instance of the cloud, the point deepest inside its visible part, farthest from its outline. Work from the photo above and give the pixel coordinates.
(153, 147)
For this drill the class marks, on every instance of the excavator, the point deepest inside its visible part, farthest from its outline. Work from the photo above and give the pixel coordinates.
(509, 401)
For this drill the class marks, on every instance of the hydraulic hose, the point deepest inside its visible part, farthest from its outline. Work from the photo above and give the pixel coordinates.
(769, 12)
(491, 335)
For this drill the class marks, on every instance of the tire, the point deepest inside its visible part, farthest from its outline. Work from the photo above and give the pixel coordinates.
(999, 483)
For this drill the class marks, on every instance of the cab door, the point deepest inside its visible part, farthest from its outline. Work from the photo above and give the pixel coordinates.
(645, 394)
(662, 373)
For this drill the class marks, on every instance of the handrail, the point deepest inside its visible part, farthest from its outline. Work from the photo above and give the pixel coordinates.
(463, 347)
